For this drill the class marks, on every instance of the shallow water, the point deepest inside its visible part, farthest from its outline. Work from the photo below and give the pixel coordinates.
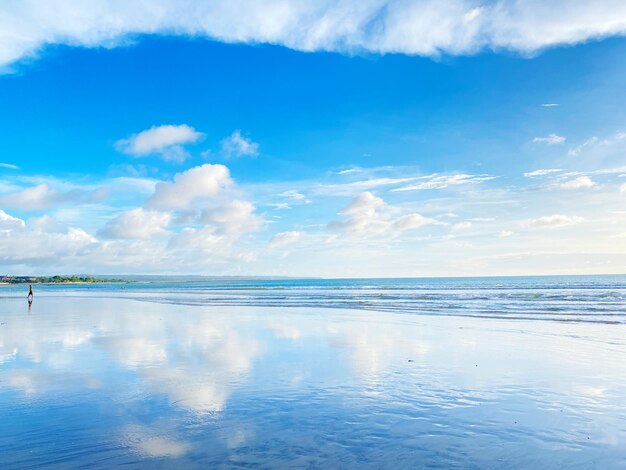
(594, 299)
(88, 379)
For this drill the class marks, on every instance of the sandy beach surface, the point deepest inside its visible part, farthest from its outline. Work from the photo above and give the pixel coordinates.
(87, 380)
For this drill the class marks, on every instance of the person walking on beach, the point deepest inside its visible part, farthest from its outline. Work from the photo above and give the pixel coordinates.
(30, 295)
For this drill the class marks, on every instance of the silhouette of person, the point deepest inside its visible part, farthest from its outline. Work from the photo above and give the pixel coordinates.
(30, 295)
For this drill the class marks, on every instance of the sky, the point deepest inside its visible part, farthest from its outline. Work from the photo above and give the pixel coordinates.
(336, 138)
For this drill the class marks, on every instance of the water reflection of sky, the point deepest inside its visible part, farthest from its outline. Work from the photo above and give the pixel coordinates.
(110, 381)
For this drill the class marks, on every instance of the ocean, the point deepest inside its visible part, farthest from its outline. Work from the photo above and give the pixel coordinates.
(599, 298)
(312, 373)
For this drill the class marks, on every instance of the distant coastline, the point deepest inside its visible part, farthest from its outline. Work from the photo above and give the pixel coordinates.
(56, 280)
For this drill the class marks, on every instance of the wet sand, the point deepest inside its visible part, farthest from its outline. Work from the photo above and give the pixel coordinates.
(102, 382)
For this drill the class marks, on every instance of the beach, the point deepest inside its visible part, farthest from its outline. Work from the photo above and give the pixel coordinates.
(343, 234)
(93, 377)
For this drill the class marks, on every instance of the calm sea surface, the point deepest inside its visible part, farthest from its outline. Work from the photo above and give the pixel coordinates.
(377, 373)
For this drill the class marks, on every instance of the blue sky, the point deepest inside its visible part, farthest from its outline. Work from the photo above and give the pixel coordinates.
(364, 154)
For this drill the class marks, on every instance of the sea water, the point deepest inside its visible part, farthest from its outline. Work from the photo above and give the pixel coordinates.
(554, 298)
(376, 373)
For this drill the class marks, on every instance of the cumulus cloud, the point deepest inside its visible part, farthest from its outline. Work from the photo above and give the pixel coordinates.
(577, 183)
(21, 243)
(444, 181)
(551, 139)
(284, 239)
(195, 220)
(204, 205)
(204, 211)
(234, 217)
(43, 196)
(554, 221)
(136, 224)
(166, 141)
(427, 27)
(191, 241)
(8, 222)
(236, 145)
(368, 215)
(190, 186)
(542, 172)
(365, 203)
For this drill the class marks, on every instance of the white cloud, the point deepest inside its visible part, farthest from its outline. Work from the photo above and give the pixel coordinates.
(375, 183)
(203, 239)
(369, 216)
(504, 233)
(362, 185)
(45, 223)
(427, 27)
(280, 206)
(236, 145)
(295, 195)
(37, 197)
(166, 140)
(555, 221)
(549, 105)
(575, 151)
(622, 188)
(235, 217)
(577, 183)
(43, 196)
(451, 215)
(365, 203)
(192, 222)
(190, 186)
(136, 224)
(10, 166)
(409, 222)
(594, 142)
(284, 239)
(22, 244)
(551, 139)
(542, 172)
(462, 225)
(8, 222)
(204, 201)
(444, 181)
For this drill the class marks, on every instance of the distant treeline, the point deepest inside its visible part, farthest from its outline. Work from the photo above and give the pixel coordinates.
(53, 279)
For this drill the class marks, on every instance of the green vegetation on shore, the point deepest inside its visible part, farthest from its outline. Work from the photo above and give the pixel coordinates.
(54, 280)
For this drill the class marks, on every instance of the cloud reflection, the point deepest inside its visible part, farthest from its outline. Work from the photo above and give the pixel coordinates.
(147, 442)
(193, 359)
